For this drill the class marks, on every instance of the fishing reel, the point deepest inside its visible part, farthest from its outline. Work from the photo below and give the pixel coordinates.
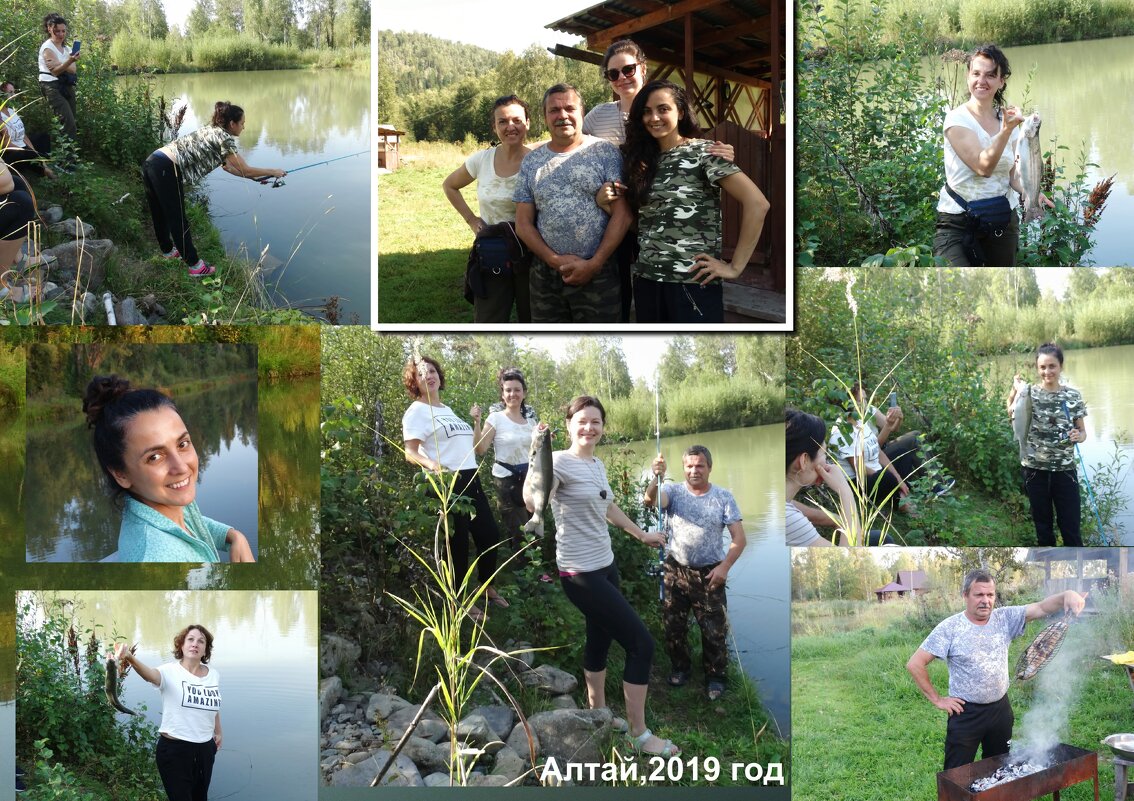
(274, 182)
(657, 569)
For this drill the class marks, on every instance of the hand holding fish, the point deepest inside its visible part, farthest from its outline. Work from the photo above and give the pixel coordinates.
(1012, 118)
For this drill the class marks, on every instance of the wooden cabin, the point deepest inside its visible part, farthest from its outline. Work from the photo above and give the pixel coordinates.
(388, 138)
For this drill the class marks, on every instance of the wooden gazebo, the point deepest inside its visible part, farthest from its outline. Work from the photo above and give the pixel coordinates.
(388, 138)
(731, 57)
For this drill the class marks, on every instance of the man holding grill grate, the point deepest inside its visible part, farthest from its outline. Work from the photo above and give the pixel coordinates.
(974, 644)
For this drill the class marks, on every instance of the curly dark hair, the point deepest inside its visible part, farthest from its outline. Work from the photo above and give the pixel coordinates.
(179, 640)
(641, 151)
(997, 57)
(109, 404)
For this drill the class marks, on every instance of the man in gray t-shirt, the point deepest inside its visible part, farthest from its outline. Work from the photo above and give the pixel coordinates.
(574, 275)
(697, 565)
(974, 644)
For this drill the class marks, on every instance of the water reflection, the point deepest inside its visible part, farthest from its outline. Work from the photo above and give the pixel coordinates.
(318, 223)
(75, 520)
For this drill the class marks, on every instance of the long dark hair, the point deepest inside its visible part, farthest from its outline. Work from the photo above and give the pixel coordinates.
(110, 404)
(641, 151)
(803, 433)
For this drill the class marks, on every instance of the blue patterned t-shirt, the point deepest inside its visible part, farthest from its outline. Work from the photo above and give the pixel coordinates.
(697, 523)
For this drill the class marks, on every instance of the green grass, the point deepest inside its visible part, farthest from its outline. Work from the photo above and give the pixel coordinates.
(862, 731)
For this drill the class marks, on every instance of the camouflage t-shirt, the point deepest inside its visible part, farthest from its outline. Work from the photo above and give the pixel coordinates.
(1047, 445)
(697, 523)
(202, 151)
(683, 215)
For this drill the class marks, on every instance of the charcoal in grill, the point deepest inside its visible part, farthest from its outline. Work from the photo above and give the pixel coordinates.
(1042, 649)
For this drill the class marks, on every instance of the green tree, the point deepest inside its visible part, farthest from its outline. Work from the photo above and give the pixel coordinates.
(229, 16)
(674, 366)
(598, 367)
(201, 18)
(1081, 284)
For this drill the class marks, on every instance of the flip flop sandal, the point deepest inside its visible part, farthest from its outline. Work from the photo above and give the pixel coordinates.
(715, 690)
(638, 743)
(678, 678)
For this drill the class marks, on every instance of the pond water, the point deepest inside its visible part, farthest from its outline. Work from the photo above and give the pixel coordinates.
(265, 652)
(318, 224)
(747, 462)
(75, 520)
(1105, 376)
(1080, 112)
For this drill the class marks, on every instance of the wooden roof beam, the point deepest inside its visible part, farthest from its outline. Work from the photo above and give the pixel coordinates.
(760, 28)
(602, 39)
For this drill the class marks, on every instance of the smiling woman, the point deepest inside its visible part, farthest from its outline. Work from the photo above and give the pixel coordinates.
(144, 448)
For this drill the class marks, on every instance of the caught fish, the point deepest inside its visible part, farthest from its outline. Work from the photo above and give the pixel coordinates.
(1030, 156)
(112, 670)
(1022, 417)
(1042, 649)
(540, 475)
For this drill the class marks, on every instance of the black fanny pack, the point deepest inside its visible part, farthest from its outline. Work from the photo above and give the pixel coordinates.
(990, 216)
(497, 251)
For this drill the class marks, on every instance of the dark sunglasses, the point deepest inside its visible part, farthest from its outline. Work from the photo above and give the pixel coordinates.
(628, 70)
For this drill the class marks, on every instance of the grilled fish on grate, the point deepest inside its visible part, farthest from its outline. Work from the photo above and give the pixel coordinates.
(1042, 649)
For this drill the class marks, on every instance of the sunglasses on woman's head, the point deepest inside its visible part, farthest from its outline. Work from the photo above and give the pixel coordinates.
(628, 70)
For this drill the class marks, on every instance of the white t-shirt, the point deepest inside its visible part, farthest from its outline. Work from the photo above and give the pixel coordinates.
(799, 531)
(606, 121)
(45, 75)
(15, 127)
(493, 193)
(446, 438)
(189, 704)
(863, 440)
(579, 501)
(964, 181)
(511, 443)
(977, 655)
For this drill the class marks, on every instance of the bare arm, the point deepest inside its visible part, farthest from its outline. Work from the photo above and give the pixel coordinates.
(918, 666)
(122, 653)
(617, 517)
(1068, 600)
(239, 550)
(980, 160)
(236, 165)
(7, 182)
(651, 496)
(218, 735)
(754, 211)
(57, 67)
(415, 454)
(458, 179)
(487, 436)
(719, 574)
(527, 231)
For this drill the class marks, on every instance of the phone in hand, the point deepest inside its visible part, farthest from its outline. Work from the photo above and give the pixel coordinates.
(75, 47)
(893, 400)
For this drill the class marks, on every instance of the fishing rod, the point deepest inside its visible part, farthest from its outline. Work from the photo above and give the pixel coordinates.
(1086, 480)
(278, 182)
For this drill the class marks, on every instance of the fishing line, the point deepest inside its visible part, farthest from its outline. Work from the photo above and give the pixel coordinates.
(247, 780)
(1087, 480)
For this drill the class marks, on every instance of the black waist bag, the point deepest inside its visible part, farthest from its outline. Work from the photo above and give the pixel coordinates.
(988, 217)
(497, 252)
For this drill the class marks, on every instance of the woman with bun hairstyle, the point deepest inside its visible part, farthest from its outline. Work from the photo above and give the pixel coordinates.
(144, 448)
(190, 712)
(185, 161)
(58, 72)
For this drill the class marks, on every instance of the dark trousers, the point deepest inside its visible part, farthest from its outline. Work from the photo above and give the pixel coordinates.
(626, 255)
(554, 301)
(502, 291)
(510, 503)
(166, 195)
(26, 159)
(610, 617)
(687, 590)
(61, 98)
(672, 302)
(1058, 489)
(949, 243)
(988, 726)
(905, 454)
(186, 768)
(17, 209)
(480, 524)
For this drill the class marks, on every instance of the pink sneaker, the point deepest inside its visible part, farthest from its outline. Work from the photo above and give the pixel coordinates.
(202, 269)
(173, 254)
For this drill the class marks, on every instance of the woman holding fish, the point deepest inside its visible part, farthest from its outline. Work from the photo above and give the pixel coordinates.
(439, 441)
(144, 448)
(985, 150)
(582, 503)
(190, 712)
(508, 432)
(1048, 423)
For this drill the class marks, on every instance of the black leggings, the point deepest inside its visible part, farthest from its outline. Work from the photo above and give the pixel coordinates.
(17, 209)
(673, 302)
(1058, 489)
(610, 617)
(186, 768)
(481, 525)
(165, 192)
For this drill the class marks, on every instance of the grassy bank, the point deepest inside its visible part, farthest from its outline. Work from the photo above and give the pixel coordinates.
(965, 23)
(863, 731)
(221, 53)
(423, 244)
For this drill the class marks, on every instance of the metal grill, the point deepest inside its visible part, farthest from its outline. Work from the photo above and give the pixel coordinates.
(1067, 765)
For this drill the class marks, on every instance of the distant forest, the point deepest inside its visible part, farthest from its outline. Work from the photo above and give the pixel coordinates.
(442, 91)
